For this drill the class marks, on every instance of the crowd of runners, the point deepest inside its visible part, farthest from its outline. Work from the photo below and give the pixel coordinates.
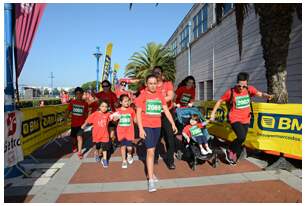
(119, 117)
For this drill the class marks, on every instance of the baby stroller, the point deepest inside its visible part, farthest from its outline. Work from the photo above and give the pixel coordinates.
(191, 151)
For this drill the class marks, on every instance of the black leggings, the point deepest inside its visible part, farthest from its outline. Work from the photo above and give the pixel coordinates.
(241, 131)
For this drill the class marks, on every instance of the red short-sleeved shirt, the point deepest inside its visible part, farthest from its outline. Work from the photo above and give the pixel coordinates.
(119, 92)
(110, 97)
(79, 111)
(100, 122)
(125, 127)
(164, 88)
(94, 106)
(193, 131)
(184, 95)
(151, 105)
(240, 111)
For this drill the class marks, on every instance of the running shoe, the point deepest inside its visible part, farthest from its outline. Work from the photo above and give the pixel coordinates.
(124, 165)
(97, 158)
(104, 163)
(151, 186)
(130, 159)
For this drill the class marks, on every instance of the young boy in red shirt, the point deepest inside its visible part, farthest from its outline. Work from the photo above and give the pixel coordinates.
(150, 104)
(100, 120)
(79, 111)
(125, 129)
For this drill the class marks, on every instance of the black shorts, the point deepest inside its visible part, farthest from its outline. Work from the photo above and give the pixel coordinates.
(112, 125)
(76, 131)
(105, 146)
(127, 143)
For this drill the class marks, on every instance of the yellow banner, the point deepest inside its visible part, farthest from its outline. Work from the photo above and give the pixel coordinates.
(107, 63)
(275, 127)
(40, 124)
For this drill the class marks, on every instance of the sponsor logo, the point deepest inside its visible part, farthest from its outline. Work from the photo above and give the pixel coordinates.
(48, 120)
(30, 126)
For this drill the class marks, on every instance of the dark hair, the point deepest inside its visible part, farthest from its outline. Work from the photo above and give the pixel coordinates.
(103, 101)
(109, 84)
(158, 67)
(242, 76)
(150, 76)
(122, 96)
(195, 117)
(184, 81)
(78, 89)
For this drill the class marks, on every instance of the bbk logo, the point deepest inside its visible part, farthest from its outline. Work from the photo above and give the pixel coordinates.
(11, 124)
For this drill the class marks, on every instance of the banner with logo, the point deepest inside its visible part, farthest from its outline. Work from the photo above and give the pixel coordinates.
(12, 133)
(41, 124)
(275, 127)
(114, 77)
(107, 63)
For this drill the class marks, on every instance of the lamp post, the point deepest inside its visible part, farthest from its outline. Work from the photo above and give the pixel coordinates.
(98, 54)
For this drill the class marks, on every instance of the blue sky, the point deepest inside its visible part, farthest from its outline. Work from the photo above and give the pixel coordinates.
(69, 33)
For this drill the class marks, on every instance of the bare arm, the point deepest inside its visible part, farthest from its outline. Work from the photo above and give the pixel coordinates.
(264, 95)
(142, 133)
(169, 117)
(217, 105)
(170, 96)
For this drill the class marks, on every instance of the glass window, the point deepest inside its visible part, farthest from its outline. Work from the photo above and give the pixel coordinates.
(200, 22)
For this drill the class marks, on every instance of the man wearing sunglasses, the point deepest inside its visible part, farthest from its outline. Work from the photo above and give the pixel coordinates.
(239, 100)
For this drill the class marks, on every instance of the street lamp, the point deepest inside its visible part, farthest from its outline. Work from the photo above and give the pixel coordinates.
(98, 54)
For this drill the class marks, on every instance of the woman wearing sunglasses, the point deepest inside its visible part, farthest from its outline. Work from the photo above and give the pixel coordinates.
(239, 112)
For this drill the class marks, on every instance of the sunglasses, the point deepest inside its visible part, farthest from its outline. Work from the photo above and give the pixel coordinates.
(242, 86)
(123, 85)
(105, 86)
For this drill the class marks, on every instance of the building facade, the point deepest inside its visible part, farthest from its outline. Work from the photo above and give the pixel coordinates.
(210, 53)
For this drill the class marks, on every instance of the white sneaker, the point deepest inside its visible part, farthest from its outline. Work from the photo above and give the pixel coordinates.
(203, 151)
(130, 159)
(124, 165)
(155, 178)
(151, 186)
(209, 150)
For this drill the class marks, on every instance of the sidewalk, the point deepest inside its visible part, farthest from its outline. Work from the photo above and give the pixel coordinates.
(69, 179)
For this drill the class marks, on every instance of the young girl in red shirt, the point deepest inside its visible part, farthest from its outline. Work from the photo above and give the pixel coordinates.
(125, 129)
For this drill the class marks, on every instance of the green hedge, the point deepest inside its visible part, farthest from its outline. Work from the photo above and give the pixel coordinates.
(35, 103)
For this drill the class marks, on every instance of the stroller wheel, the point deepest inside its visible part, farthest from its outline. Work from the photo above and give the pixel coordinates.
(179, 155)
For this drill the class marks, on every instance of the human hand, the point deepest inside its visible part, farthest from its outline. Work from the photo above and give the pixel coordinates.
(142, 134)
(178, 105)
(174, 129)
(190, 104)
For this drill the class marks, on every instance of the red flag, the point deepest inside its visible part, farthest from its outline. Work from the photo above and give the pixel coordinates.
(27, 18)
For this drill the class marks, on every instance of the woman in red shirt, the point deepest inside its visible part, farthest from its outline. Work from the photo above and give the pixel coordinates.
(185, 93)
(239, 114)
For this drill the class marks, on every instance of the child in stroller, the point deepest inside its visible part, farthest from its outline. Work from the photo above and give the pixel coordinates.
(193, 131)
(190, 149)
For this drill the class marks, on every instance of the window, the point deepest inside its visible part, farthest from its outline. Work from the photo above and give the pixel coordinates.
(209, 89)
(227, 8)
(201, 90)
(200, 22)
(221, 10)
(174, 47)
(184, 37)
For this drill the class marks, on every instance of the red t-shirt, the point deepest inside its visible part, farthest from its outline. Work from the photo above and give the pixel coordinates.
(164, 88)
(184, 95)
(94, 106)
(100, 122)
(118, 93)
(151, 105)
(110, 97)
(193, 131)
(79, 111)
(125, 127)
(240, 111)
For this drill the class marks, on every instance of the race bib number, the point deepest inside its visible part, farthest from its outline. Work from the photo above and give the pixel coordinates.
(242, 102)
(78, 110)
(153, 107)
(185, 98)
(195, 131)
(125, 120)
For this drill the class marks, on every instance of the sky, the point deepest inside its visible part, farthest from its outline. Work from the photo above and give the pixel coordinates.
(68, 35)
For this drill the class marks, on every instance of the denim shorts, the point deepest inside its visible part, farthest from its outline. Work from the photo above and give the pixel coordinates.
(152, 137)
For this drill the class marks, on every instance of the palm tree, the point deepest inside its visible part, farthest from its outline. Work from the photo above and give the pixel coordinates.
(142, 63)
(275, 21)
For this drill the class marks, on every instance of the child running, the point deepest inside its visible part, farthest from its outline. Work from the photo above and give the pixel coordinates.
(150, 104)
(194, 131)
(125, 129)
(100, 135)
(79, 111)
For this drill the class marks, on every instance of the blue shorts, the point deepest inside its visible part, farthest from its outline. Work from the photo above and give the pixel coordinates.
(152, 137)
(125, 142)
(201, 139)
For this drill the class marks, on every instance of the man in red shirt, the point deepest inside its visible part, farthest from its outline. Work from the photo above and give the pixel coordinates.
(239, 115)
(167, 91)
(79, 111)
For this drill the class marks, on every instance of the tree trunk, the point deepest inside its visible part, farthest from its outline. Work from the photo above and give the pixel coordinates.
(275, 22)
